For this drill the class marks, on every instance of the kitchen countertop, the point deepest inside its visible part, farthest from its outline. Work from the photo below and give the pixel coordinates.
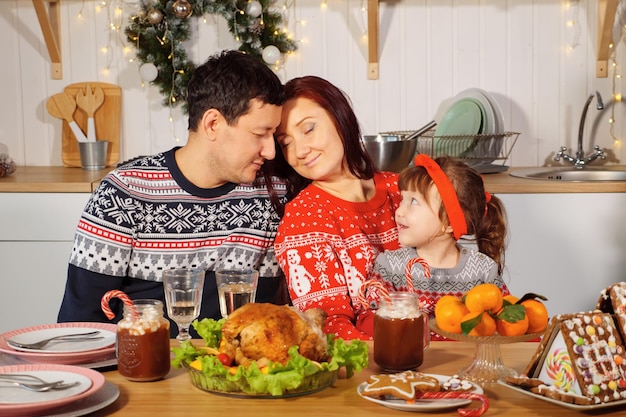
(56, 179)
(52, 179)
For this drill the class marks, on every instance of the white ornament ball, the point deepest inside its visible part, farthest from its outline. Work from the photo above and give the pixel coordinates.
(155, 16)
(148, 72)
(254, 9)
(271, 54)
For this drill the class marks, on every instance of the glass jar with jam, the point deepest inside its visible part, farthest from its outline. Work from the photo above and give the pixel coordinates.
(143, 342)
(401, 333)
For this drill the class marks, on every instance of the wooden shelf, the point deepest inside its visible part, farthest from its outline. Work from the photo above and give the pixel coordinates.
(372, 39)
(50, 22)
(606, 20)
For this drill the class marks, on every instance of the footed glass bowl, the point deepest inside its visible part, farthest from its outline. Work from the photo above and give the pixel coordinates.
(220, 385)
(487, 367)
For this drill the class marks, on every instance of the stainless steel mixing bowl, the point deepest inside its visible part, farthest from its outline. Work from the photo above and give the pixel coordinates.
(390, 152)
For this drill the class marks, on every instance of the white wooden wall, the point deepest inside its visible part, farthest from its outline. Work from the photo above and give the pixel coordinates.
(429, 51)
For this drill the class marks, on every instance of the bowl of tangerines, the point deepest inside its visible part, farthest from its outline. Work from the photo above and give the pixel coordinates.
(484, 312)
(485, 316)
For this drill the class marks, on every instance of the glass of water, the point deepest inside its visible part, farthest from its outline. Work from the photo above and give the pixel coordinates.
(183, 295)
(235, 287)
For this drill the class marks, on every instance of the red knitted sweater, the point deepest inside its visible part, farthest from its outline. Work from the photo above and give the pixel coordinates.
(327, 247)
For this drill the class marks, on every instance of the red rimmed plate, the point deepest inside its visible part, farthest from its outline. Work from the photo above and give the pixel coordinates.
(66, 358)
(19, 402)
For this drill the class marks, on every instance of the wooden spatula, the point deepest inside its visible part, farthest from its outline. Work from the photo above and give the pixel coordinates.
(89, 103)
(62, 106)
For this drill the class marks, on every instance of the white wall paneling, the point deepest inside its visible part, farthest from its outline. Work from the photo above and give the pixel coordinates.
(430, 50)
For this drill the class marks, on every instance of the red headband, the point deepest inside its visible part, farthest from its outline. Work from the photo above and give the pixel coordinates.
(448, 195)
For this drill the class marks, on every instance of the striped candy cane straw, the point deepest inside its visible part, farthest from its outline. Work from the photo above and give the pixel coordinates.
(104, 303)
(372, 283)
(409, 266)
(464, 412)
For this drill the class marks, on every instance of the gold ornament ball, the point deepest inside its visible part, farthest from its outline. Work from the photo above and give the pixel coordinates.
(155, 16)
(182, 8)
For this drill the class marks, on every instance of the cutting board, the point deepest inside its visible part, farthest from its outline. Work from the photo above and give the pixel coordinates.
(106, 118)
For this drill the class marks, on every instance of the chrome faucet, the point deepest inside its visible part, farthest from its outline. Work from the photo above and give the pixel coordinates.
(580, 160)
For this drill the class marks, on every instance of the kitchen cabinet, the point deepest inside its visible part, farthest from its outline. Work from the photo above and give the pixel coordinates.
(567, 247)
(35, 242)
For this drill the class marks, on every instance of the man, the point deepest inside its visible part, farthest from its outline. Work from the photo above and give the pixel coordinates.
(204, 205)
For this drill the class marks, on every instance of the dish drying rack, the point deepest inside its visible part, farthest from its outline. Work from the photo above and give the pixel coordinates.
(473, 149)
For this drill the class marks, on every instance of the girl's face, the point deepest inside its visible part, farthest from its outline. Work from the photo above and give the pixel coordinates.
(309, 140)
(418, 221)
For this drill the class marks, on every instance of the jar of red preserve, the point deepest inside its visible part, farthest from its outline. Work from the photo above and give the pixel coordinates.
(143, 342)
(401, 332)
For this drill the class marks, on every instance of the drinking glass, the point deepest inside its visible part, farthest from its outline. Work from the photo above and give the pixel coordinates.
(235, 287)
(183, 294)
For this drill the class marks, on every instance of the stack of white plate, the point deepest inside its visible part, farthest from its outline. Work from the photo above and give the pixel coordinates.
(471, 112)
(89, 353)
(69, 361)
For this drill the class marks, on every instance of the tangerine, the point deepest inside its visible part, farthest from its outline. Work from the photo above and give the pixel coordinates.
(484, 297)
(445, 299)
(479, 323)
(448, 315)
(507, 328)
(508, 300)
(511, 298)
(537, 314)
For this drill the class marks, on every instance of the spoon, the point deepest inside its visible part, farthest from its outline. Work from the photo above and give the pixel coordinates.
(62, 106)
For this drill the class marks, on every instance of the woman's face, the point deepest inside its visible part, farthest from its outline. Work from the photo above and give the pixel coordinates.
(309, 141)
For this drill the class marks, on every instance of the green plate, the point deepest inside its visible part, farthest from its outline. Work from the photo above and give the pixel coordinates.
(463, 118)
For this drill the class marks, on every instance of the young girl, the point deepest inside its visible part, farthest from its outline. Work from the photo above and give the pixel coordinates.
(443, 200)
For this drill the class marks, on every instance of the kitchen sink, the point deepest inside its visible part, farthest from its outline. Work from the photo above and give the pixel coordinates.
(567, 173)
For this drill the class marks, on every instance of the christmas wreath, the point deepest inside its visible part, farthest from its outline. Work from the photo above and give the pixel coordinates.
(159, 29)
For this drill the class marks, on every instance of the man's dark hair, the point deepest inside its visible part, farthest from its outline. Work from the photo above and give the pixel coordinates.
(227, 82)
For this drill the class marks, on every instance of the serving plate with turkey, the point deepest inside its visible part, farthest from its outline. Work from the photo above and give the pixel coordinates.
(268, 351)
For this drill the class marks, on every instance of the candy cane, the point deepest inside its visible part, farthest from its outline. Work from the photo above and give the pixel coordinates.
(409, 266)
(371, 284)
(464, 412)
(104, 303)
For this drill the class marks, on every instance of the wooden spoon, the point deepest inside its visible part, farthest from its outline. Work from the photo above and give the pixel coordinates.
(89, 103)
(62, 106)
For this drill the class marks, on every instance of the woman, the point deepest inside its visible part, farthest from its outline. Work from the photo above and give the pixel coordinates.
(342, 211)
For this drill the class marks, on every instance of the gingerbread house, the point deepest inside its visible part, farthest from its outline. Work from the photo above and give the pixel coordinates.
(613, 301)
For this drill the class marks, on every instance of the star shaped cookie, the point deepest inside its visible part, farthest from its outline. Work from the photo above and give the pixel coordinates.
(401, 385)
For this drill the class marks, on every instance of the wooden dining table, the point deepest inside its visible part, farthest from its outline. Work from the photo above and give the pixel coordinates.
(175, 395)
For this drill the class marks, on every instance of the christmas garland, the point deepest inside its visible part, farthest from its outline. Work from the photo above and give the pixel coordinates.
(159, 29)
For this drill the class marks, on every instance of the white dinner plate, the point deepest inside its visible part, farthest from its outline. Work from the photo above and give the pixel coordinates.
(423, 405)
(494, 119)
(589, 407)
(21, 402)
(105, 396)
(104, 338)
(66, 358)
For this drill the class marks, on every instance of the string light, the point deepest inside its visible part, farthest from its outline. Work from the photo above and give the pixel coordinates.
(616, 79)
(573, 23)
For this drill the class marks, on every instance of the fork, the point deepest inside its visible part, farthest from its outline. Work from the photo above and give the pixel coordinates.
(67, 337)
(42, 387)
(27, 379)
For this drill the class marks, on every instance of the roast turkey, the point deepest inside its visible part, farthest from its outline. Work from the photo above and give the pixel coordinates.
(261, 330)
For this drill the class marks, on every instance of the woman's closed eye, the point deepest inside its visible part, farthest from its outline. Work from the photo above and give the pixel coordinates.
(308, 128)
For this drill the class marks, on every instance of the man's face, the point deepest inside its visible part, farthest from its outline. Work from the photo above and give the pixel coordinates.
(245, 146)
